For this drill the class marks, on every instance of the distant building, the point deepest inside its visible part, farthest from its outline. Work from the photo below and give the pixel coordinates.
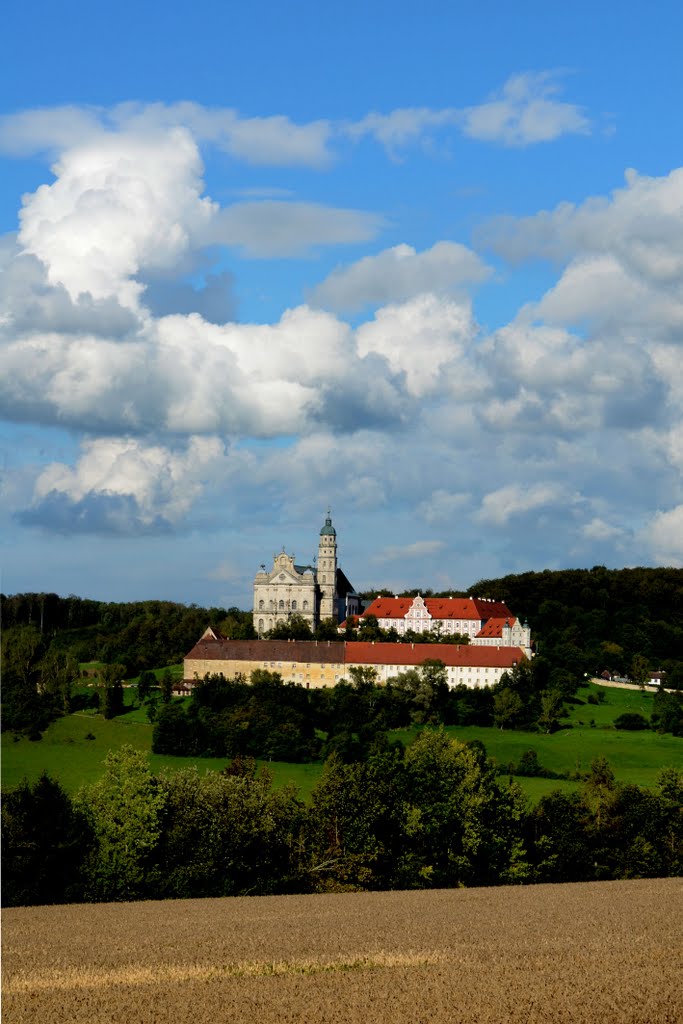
(315, 592)
(486, 623)
(321, 663)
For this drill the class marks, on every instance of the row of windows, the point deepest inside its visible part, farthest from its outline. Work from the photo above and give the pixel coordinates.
(281, 605)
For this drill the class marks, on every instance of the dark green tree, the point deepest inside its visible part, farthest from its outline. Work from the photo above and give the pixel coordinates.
(166, 687)
(44, 843)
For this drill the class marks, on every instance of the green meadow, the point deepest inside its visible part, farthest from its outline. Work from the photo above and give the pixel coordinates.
(74, 747)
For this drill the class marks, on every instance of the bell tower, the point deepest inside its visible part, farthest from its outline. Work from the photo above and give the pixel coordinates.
(327, 570)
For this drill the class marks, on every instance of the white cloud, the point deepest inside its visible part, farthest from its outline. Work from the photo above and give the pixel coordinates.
(525, 112)
(419, 338)
(443, 508)
(119, 204)
(273, 228)
(399, 274)
(501, 505)
(48, 129)
(639, 227)
(598, 530)
(418, 549)
(568, 418)
(121, 479)
(665, 537)
(268, 141)
(401, 127)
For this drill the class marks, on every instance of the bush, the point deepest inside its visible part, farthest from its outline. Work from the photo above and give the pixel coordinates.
(632, 721)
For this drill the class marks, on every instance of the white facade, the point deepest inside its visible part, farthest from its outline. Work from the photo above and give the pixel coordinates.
(315, 592)
(486, 623)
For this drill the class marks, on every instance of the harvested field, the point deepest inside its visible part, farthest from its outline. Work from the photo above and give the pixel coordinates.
(608, 952)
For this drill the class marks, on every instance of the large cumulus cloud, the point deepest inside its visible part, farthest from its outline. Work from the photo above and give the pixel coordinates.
(562, 427)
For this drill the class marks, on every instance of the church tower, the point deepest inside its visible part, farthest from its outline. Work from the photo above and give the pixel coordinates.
(327, 570)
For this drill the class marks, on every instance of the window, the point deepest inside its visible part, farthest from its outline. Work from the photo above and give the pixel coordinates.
(293, 606)
(305, 606)
(260, 604)
(281, 605)
(260, 625)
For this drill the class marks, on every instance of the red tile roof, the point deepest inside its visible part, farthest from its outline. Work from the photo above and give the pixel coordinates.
(353, 653)
(388, 607)
(367, 653)
(440, 608)
(494, 627)
(328, 651)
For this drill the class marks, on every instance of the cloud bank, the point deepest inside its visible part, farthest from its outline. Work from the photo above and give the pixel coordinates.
(564, 425)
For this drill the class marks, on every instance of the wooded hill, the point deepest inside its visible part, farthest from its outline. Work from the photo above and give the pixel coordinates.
(591, 620)
(585, 620)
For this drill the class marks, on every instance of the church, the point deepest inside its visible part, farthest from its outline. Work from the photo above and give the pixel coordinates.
(315, 592)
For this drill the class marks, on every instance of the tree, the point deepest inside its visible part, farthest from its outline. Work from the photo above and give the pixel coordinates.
(44, 842)
(552, 709)
(599, 785)
(640, 670)
(24, 708)
(328, 629)
(58, 670)
(559, 839)
(166, 687)
(226, 835)
(363, 677)
(369, 629)
(463, 828)
(125, 810)
(670, 787)
(507, 705)
(296, 627)
(667, 712)
(356, 826)
(146, 682)
(111, 677)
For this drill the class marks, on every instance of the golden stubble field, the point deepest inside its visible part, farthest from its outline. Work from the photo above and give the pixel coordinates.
(594, 952)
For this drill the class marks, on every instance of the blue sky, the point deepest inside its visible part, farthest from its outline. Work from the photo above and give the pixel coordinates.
(420, 263)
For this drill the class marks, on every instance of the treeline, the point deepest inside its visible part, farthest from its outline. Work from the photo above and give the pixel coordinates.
(595, 620)
(138, 635)
(46, 637)
(269, 719)
(587, 621)
(432, 816)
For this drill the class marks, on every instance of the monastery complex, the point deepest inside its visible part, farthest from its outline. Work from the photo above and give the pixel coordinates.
(315, 663)
(496, 640)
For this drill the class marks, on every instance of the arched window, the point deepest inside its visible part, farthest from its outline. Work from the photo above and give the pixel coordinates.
(281, 605)
(293, 606)
(305, 606)
(260, 625)
(260, 604)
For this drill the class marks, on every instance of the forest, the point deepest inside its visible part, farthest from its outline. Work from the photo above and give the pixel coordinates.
(431, 816)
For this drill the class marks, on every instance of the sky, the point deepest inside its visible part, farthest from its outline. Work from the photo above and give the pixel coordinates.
(421, 264)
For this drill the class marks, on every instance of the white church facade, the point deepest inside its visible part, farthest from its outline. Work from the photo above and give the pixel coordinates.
(314, 592)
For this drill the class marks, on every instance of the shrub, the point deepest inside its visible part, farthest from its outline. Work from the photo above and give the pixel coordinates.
(631, 720)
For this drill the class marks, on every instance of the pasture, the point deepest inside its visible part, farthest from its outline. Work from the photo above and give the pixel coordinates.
(589, 953)
(636, 757)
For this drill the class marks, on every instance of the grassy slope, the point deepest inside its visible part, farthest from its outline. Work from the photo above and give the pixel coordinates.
(636, 757)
